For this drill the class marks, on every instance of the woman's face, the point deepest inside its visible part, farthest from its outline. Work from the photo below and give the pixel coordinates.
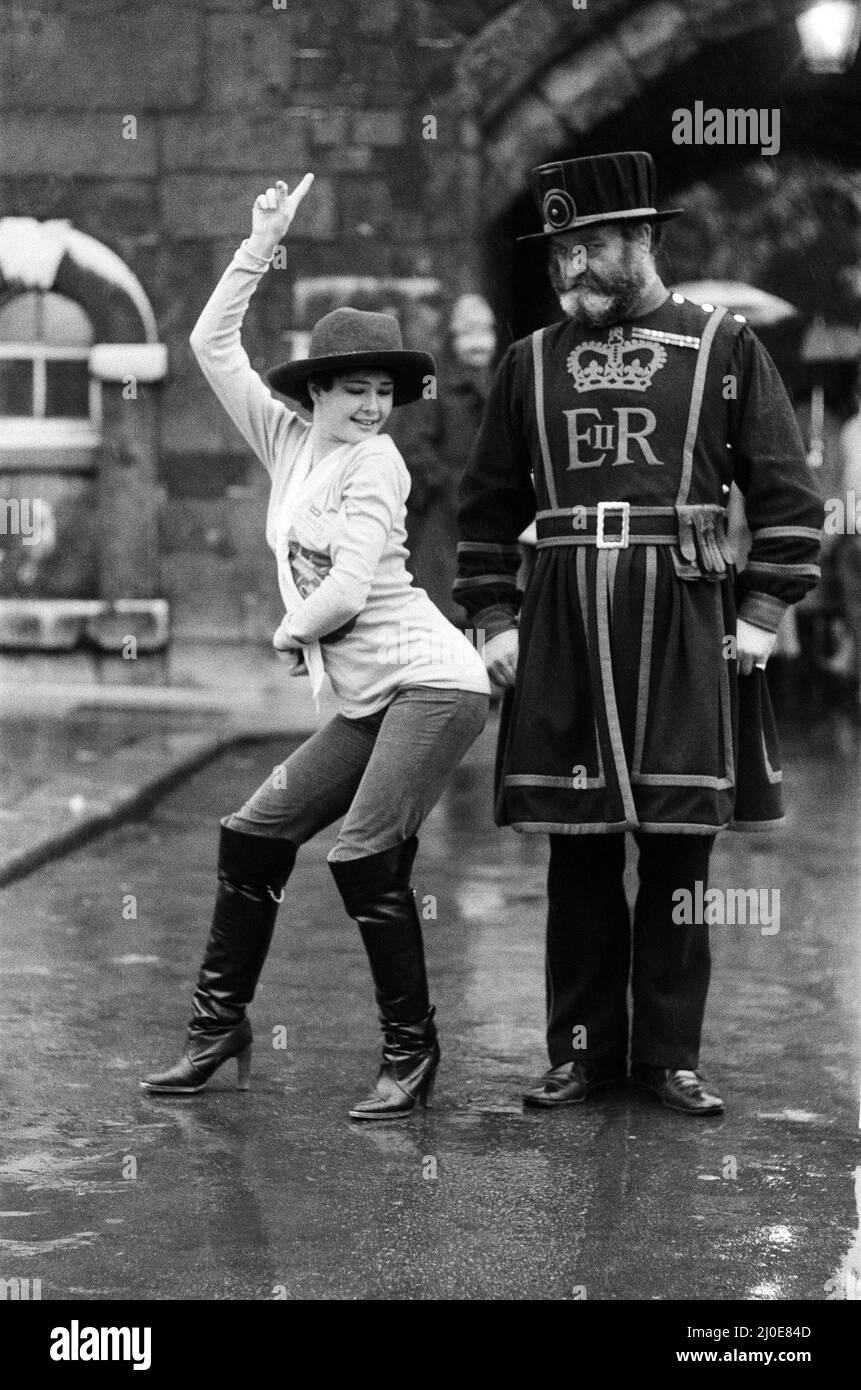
(358, 405)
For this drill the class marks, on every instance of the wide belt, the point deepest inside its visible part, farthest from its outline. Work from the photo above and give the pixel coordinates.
(698, 532)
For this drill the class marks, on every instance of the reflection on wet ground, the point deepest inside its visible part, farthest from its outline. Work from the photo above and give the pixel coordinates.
(110, 1193)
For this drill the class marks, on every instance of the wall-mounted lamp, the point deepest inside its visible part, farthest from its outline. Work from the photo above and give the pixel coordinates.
(829, 34)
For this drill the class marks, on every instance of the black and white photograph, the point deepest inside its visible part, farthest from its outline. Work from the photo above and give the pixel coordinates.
(430, 667)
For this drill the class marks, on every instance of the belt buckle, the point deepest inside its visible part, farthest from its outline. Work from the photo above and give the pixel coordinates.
(623, 509)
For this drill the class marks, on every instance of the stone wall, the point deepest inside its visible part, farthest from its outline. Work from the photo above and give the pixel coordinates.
(226, 96)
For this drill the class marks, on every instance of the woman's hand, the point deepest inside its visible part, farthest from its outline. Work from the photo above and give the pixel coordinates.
(295, 663)
(282, 640)
(272, 213)
(289, 650)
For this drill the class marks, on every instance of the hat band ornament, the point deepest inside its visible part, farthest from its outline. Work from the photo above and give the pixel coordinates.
(560, 210)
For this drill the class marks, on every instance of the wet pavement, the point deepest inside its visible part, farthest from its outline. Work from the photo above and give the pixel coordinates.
(108, 1193)
(88, 739)
(35, 751)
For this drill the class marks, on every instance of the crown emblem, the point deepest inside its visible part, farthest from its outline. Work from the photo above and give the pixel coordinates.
(623, 364)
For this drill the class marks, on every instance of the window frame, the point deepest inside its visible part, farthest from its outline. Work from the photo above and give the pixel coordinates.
(39, 430)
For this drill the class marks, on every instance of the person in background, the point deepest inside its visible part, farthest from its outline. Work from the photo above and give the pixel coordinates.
(823, 624)
(435, 437)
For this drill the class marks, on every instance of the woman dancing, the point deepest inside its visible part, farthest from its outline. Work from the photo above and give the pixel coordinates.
(412, 692)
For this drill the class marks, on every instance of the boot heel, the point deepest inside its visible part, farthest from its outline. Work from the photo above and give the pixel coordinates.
(425, 1093)
(243, 1068)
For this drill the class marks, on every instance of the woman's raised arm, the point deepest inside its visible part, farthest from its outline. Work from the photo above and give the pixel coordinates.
(215, 339)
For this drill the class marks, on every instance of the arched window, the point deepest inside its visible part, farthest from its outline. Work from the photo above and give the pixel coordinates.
(47, 396)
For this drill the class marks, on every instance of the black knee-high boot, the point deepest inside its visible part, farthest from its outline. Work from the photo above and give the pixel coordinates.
(377, 894)
(252, 872)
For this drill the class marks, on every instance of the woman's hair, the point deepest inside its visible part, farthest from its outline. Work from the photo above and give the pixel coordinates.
(325, 380)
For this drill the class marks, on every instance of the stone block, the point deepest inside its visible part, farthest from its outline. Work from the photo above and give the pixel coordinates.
(206, 205)
(589, 85)
(316, 70)
(656, 41)
(466, 16)
(240, 142)
(365, 207)
(249, 59)
(521, 139)
(408, 259)
(349, 159)
(379, 18)
(385, 75)
(198, 475)
(521, 42)
(320, 22)
(133, 58)
(327, 125)
(191, 418)
(45, 197)
(66, 144)
(112, 208)
(179, 277)
(407, 224)
(444, 196)
(378, 127)
(723, 19)
(365, 256)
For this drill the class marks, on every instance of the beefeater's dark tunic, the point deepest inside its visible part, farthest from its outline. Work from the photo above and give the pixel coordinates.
(628, 713)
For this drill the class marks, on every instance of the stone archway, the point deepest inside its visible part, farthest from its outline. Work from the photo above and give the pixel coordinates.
(540, 75)
(127, 361)
(541, 81)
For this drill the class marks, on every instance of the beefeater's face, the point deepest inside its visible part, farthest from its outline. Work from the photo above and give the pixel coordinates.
(599, 272)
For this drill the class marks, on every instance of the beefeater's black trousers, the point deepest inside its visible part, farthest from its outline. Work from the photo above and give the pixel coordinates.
(592, 951)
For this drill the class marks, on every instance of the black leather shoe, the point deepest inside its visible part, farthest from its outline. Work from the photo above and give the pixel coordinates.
(678, 1089)
(569, 1084)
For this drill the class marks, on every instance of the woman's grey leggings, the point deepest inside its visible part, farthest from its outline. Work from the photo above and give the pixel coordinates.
(383, 773)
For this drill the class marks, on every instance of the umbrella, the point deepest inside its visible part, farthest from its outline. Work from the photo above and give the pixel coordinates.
(758, 307)
(830, 342)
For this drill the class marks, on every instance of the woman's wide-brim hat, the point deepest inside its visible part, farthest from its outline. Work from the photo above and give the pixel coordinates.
(575, 193)
(355, 338)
